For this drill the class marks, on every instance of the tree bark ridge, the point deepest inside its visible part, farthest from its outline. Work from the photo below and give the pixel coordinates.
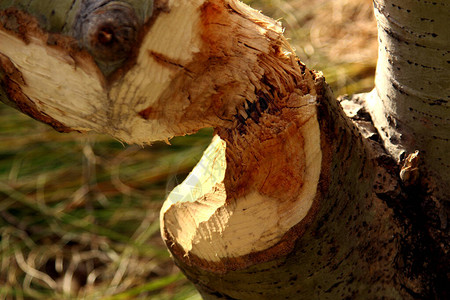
(410, 103)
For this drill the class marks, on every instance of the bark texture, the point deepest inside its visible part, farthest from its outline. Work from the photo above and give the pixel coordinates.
(410, 108)
(410, 103)
(293, 199)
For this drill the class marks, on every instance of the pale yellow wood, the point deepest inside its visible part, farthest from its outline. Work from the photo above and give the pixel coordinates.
(73, 91)
(282, 204)
(208, 223)
(143, 85)
(201, 63)
(56, 83)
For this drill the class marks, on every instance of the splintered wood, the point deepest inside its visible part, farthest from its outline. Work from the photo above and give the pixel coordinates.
(198, 63)
(259, 178)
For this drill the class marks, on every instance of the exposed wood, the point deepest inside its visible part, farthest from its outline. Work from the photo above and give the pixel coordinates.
(92, 101)
(249, 232)
(45, 71)
(292, 199)
(314, 259)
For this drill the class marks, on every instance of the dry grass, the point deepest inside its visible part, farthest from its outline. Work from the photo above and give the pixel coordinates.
(336, 37)
(79, 214)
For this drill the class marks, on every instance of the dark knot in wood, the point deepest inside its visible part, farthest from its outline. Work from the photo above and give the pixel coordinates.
(107, 29)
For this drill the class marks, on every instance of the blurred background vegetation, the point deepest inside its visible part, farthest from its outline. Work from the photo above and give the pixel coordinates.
(79, 214)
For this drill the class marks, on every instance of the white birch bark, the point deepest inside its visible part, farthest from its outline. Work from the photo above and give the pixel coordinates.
(410, 104)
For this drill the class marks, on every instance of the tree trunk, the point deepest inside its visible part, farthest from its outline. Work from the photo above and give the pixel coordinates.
(410, 102)
(294, 198)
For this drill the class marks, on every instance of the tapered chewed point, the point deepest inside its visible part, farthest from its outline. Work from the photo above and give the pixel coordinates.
(184, 66)
(111, 72)
(229, 213)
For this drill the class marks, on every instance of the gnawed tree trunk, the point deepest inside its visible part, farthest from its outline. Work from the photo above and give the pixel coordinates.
(292, 199)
